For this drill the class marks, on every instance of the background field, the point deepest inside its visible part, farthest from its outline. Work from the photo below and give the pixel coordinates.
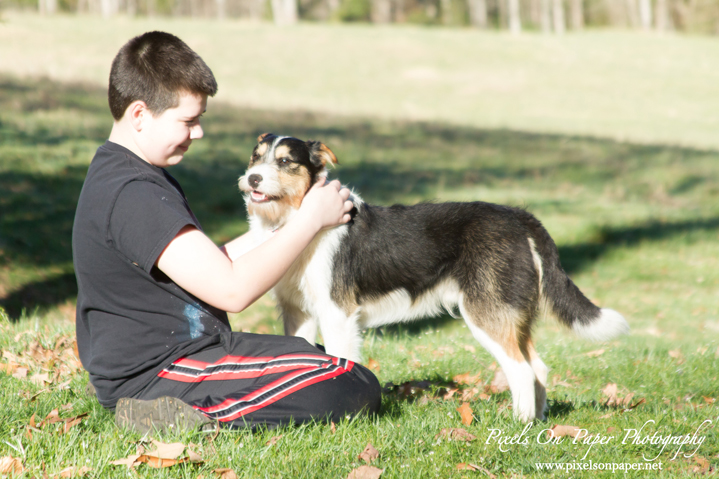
(608, 137)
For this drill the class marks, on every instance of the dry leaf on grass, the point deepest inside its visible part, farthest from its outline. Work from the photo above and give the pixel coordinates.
(373, 364)
(273, 440)
(596, 353)
(466, 413)
(11, 465)
(369, 454)
(561, 431)
(467, 379)
(333, 427)
(74, 471)
(365, 472)
(20, 373)
(225, 473)
(499, 383)
(130, 461)
(455, 434)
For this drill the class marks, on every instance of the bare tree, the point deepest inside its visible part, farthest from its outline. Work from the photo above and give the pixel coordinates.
(447, 14)
(221, 6)
(109, 8)
(47, 7)
(284, 12)
(633, 13)
(546, 16)
(477, 13)
(662, 15)
(645, 14)
(381, 11)
(558, 17)
(515, 21)
(577, 14)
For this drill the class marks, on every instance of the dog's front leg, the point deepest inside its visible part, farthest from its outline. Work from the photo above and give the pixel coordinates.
(340, 332)
(298, 323)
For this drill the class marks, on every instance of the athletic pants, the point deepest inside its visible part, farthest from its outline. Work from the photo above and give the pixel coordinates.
(254, 380)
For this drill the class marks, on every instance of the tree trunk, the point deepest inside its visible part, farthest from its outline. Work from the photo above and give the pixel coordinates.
(577, 14)
(108, 8)
(546, 16)
(558, 17)
(446, 8)
(284, 12)
(477, 13)
(645, 14)
(381, 11)
(400, 15)
(515, 21)
(47, 7)
(633, 13)
(662, 15)
(221, 9)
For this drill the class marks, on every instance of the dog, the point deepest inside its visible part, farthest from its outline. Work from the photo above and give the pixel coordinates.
(496, 264)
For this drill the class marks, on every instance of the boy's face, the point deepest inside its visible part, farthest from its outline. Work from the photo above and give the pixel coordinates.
(164, 139)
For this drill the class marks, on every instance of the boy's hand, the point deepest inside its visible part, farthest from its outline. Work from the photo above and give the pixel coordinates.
(327, 204)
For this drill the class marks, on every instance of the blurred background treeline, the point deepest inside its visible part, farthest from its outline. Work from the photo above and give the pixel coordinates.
(550, 16)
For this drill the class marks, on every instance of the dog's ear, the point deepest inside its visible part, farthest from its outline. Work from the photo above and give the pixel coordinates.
(263, 136)
(320, 154)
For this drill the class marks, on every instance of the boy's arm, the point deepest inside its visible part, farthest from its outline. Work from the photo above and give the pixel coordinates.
(198, 266)
(238, 246)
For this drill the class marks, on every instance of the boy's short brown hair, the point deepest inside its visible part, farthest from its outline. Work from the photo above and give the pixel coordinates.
(155, 67)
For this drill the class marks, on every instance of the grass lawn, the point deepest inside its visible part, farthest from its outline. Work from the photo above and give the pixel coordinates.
(636, 222)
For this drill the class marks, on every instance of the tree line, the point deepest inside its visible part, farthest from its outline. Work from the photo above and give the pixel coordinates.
(550, 16)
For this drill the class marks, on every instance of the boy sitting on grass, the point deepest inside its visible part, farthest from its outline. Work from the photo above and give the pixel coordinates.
(153, 289)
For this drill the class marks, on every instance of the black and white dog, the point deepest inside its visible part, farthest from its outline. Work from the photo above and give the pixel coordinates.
(496, 264)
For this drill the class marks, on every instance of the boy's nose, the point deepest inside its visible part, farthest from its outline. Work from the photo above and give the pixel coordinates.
(196, 132)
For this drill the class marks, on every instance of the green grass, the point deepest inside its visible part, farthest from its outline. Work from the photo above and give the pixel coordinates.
(637, 225)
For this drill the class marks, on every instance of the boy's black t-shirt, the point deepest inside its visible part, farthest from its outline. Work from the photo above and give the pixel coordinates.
(132, 320)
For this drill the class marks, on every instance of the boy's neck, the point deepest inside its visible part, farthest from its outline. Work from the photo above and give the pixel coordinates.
(121, 134)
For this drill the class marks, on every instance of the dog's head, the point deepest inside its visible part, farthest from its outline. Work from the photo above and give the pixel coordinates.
(282, 169)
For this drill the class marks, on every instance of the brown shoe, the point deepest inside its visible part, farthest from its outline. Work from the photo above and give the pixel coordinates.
(162, 414)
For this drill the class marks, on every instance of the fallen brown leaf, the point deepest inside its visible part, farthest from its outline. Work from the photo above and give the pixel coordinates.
(455, 434)
(74, 471)
(11, 465)
(130, 461)
(610, 390)
(273, 440)
(560, 431)
(40, 379)
(369, 454)
(225, 473)
(373, 364)
(333, 427)
(469, 348)
(467, 379)
(20, 373)
(365, 472)
(450, 392)
(596, 353)
(166, 451)
(466, 413)
(71, 423)
(499, 383)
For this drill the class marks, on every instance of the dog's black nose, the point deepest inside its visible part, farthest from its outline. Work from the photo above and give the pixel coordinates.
(254, 180)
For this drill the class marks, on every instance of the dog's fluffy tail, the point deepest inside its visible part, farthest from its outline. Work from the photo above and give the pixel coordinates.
(562, 296)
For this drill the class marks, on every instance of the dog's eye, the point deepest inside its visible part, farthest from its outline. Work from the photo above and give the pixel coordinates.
(284, 161)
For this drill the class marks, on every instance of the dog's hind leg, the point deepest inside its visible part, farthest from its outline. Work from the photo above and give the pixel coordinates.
(541, 371)
(504, 342)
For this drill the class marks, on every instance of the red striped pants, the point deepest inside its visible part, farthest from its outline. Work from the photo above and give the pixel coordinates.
(254, 380)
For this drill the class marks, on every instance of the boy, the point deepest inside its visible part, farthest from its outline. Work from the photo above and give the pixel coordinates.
(153, 290)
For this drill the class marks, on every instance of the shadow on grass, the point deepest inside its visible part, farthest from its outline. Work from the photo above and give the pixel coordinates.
(386, 162)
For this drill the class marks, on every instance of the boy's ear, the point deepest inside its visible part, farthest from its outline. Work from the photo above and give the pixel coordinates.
(136, 113)
(263, 136)
(320, 154)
